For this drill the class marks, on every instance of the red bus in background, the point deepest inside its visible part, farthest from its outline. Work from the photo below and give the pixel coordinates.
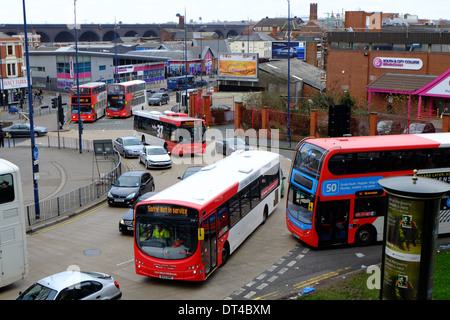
(92, 101)
(176, 132)
(124, 97)
(334, 196)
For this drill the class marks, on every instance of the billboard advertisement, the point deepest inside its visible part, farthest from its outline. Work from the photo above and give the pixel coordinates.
(238, 66)
(294, 49)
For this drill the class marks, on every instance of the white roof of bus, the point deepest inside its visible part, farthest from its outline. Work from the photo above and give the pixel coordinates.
(129, 83)
(7, 167)
(212, 180)
(157, 115)
(89, 85)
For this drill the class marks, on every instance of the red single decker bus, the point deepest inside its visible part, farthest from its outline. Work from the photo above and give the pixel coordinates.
(92, 101)
(334, 196)
(188, 230)
(125, 97)
(176, 132)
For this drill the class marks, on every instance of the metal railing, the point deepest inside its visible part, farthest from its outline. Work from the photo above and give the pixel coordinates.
(74, 200)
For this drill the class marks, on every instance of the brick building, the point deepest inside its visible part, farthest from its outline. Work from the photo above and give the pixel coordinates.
(13, 81)
(355, 60)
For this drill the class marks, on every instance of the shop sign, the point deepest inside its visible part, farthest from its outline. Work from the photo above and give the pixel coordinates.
(397, 63)
(14, 83)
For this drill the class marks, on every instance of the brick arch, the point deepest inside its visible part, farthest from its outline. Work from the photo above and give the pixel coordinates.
(150, 33)
(109, 36)
(64, 36)
(89, 36)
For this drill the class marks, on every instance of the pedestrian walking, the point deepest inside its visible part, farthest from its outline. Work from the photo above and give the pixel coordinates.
(2, 138)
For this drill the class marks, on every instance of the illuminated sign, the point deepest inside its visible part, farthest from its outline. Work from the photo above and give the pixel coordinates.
(161, 210)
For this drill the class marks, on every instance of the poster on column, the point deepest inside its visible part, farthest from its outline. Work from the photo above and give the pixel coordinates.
(403, 248)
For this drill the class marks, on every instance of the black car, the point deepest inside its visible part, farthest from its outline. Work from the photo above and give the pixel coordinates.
(129, 187)
(126, 222)
(24, 130)
(158, 99)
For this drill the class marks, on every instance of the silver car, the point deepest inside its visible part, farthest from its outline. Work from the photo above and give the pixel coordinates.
(230, 145)
(74, 285)
(128, 146)
(155, 157)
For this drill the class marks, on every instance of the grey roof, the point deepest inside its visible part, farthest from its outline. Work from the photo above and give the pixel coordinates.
(300, 71)
(256, 36)
(398, 82)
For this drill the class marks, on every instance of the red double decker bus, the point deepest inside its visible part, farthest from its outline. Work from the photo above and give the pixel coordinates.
(92, 101)
(334, 196)
(124, 97)
(176, 132)
(188, 230)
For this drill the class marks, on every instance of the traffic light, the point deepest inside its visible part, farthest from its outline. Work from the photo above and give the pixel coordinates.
(54, 103)
(60, 110)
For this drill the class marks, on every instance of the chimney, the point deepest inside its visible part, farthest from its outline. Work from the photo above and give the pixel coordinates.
(313, 12)
(180, 22)
(275, 31)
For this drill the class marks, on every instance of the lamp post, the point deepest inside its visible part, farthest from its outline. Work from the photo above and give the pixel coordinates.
(116, 70)
(80, 123)
(289, 75)
(34, 150)
(185, 58)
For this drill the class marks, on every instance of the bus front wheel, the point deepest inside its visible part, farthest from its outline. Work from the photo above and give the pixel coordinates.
(365, 235)
(225, 253)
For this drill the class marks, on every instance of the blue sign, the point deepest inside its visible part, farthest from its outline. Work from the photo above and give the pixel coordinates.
(341, 187)
(35, 153)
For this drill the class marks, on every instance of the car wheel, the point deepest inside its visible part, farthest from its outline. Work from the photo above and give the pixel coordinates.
(146, 165)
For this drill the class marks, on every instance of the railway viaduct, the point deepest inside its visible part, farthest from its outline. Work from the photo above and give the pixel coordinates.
(105, 32)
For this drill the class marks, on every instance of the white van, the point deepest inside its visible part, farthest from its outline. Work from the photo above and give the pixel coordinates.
(13, 248)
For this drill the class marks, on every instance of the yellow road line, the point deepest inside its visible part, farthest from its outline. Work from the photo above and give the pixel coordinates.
(59, 224)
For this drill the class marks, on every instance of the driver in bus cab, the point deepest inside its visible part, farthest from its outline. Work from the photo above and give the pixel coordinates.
(160, 232)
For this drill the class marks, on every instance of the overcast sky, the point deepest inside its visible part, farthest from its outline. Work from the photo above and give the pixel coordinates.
(160, 11)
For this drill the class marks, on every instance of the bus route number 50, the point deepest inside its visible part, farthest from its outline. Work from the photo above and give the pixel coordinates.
(330, 187)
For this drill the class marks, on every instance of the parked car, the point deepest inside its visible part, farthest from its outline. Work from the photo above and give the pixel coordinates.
(155, 157)
(74, 285)
(200, 83)
(128, 146)
(190, 171)
(420, 128)
(24, 130)
(126, 223)
(129, 187)
(230, 145)
(158, 99)
(389, 127)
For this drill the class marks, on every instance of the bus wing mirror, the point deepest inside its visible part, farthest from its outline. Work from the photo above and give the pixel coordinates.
(201, 233)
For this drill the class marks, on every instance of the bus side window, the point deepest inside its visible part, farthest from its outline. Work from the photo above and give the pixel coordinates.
(369, 207)
(6, 188)
(222, 220)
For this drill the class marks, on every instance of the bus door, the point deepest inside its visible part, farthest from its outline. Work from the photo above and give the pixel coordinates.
(332, 221)
(209, 246)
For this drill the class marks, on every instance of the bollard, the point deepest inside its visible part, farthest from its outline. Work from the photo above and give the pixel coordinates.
(410, 236)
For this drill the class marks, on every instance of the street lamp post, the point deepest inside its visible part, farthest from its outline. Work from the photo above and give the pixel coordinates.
(289, 76)
(80, 123)
(34, 150)
(116, 70)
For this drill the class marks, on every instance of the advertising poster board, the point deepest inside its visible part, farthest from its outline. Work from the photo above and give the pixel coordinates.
(238, 66)
(280, 50)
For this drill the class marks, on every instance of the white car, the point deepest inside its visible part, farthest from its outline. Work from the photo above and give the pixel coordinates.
(155, 157)
(74, 285)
